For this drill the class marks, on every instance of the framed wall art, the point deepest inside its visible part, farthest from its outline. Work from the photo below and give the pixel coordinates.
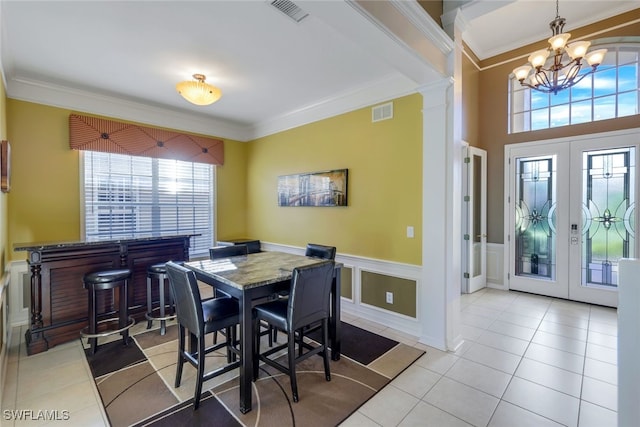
(5, 166)
(328, 188)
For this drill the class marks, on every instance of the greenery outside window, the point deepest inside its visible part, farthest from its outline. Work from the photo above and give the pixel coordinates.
(131, 197)
(612, 91)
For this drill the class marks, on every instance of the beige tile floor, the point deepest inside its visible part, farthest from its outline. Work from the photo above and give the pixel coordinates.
(526, 361)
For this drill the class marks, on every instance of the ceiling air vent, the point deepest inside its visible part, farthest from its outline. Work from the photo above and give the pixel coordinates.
(290, 9)
(382, 112)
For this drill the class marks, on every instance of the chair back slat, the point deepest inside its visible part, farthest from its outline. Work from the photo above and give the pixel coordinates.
(321, 251)
(309, 296)
(218, 252)
(186, 296)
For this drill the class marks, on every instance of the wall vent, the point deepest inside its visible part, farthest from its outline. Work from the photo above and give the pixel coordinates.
(382, 112)
(290, 9)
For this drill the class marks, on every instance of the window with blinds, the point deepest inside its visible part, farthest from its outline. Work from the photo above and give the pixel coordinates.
(131, 197)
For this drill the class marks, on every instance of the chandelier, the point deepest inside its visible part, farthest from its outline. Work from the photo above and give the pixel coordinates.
(551, 75)
(198, 91)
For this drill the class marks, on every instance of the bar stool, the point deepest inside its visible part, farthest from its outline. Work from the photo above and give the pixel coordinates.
(107, 280)
(158, 272)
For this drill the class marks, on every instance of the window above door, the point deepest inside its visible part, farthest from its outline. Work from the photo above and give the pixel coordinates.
(612, 91)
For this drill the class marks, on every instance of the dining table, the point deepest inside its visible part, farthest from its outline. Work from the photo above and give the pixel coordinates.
(257, 278)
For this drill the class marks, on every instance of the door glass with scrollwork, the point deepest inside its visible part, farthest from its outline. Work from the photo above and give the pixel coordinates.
(608, 204)
(535, 232)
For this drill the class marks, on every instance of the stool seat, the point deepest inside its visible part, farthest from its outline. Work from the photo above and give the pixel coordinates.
(107, 280)
(106, 277)
(157, 269)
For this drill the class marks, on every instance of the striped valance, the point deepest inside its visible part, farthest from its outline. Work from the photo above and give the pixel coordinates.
(108, 136)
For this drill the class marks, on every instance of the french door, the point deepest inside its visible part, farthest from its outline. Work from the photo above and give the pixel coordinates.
(571, 215)
(474, 247)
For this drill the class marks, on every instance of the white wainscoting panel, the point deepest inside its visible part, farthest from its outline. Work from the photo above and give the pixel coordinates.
(378, 315)
(19, 308)
(495, 266)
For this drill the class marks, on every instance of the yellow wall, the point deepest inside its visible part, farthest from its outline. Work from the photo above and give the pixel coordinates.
(384, 189)
(44, 202)
(44, 199)
(231, 186)
(384, 162)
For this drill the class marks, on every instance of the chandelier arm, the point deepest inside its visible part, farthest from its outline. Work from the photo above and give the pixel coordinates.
(578, 79)
(548, 88)
(537, 88)
(542, 78)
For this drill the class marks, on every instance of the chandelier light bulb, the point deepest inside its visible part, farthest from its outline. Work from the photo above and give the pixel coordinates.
(559, 41)
(538, 58)
(577, 49)
(522, 72)
(596, 57)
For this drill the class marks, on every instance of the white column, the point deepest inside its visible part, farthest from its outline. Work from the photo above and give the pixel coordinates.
(628, 343)
(441, 215)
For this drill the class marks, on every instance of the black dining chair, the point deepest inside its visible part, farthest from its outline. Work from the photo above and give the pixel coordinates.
(253, 245)
(320, 251)
(218, 252)
(201, 318)
(316, 251)
(308, 303)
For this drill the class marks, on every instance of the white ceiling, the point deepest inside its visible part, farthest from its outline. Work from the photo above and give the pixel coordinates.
(123, 59)
(496, 26)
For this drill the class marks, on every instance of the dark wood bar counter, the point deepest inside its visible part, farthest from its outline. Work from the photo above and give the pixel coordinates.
(59, 301)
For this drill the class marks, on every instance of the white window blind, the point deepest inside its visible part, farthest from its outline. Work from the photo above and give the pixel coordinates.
(131, 197)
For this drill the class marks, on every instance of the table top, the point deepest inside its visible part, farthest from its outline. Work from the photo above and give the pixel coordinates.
(253, 270)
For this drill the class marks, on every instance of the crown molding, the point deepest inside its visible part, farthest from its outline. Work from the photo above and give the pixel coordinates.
(83, 101)
(39, 92)
(394, 86)
(423, 22)
(409, 27)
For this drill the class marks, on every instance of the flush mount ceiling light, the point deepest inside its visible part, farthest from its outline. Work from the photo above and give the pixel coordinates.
(551, 75)
(197, 91)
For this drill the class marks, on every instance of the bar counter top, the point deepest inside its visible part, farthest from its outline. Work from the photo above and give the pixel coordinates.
(31, 246)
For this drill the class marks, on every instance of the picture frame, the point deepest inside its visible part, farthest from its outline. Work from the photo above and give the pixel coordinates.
(322, 189)
(5, 166)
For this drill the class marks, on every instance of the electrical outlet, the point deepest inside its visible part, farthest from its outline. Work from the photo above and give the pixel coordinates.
(389, 297)
(410, 232)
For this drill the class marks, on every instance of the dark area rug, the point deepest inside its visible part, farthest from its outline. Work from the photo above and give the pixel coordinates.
(360, 345)
(136, 384)
(114, 356)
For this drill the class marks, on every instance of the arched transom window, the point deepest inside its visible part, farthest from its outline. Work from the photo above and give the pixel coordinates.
(612, 91)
